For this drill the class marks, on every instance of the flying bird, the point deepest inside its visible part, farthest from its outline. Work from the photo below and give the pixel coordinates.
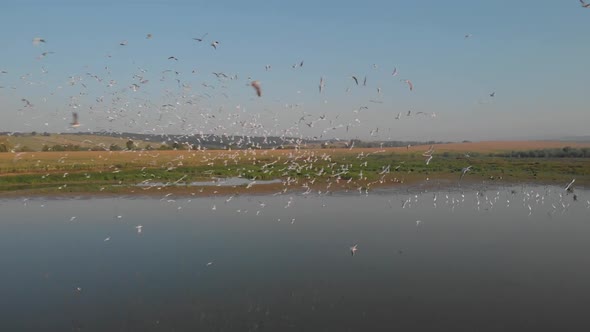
(365, 81)
(464, 171)
(44, 54)
(27, 103)
(139, 228)
(149, 36)
(409, 83)
(353, 249)
(584, 4)
(123, 43)
(355, 80)
(468, 35)
(75, 122)
(570, 185)
(394, 72)
(321, 87)
(202, 37)
(38, 40)
(172, 58)
(256, 86)
(214, 44)
(493, 94)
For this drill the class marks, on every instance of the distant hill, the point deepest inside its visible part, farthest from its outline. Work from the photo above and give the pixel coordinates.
(575, 139)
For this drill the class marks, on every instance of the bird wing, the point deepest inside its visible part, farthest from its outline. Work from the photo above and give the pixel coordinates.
(256, 86)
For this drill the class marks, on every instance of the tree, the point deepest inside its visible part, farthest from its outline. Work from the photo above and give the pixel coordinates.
(130, 145)
(115, 147)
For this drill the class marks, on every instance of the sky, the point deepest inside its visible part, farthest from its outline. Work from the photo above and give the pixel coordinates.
(532, 55)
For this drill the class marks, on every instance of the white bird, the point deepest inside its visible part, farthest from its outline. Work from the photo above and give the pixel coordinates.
(409, 83)
(139, 228)
(353, 249)
(38, 40)
(418, 222)
(569, 185)
(107, 239)
(465, 170)
(214, 44)
(209, 264)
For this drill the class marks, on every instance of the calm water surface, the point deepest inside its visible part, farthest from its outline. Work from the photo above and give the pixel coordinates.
(282, 263)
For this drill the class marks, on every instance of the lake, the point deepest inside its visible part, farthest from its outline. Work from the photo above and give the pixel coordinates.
(512, 258)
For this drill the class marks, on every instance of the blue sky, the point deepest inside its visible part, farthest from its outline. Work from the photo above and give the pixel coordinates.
(533, 55)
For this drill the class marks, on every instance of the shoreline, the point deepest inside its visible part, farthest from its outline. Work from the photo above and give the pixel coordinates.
(409, 183)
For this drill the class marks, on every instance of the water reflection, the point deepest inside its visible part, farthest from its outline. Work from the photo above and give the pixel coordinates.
(478, 260)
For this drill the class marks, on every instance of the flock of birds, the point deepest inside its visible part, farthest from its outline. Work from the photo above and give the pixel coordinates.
(125, 106)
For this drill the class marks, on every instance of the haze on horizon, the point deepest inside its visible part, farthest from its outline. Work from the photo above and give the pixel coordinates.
(456, 53)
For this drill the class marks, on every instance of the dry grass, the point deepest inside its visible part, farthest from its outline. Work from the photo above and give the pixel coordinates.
(85, 141)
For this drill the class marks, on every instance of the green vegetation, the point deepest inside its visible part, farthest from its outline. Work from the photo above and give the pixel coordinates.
(114, 171)
(566, 152)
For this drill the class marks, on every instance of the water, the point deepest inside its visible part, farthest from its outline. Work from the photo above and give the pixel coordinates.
(217, 182)
(282, 263)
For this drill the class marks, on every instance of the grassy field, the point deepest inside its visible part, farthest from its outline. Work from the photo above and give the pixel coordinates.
(121, 171)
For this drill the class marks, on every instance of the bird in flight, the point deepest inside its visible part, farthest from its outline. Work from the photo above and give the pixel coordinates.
(202, 37)
(214, 44)
(570, 185)
(123, 43)
(44, 54)
(409, 83)
(365, 81)
(493, 94)
(172, 58)
(464, 171)
(75, 122)
(355, 80)
(321, 84)
(38, 40)
(468, 35)
(149, 36)
(584, 4)
(139, 228)
(353, 249)
(256, 86)
(394, 72)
